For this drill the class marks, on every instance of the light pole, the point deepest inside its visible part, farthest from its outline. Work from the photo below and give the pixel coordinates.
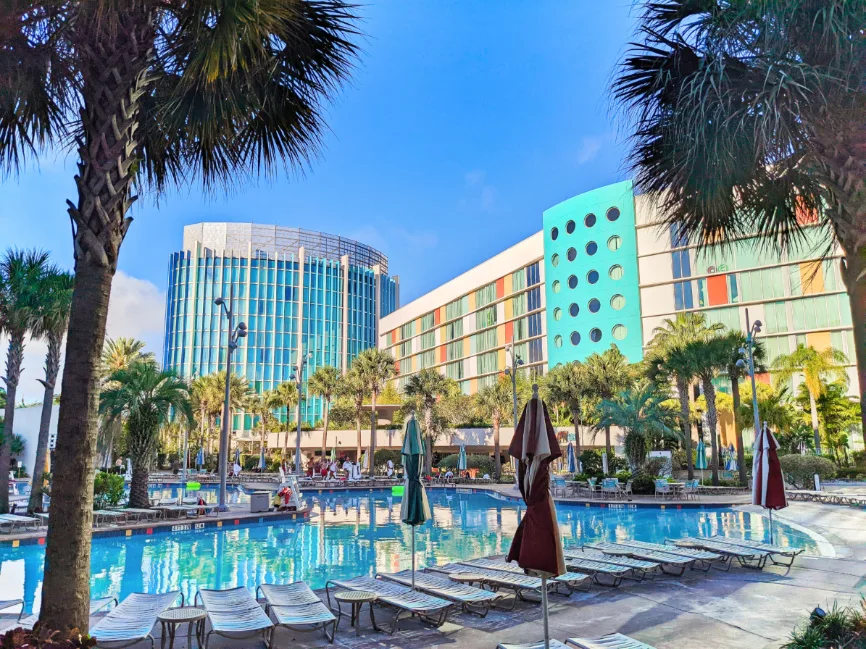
(516, 362)
(298, 378)
(234, 334)
(748, 363)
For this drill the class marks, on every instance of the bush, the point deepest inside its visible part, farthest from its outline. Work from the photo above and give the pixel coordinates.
(850, 473)
(799, 470)
(654, 466)
(108, 490)
(623, 476)
(643, 484)
(37, 638)
(591, 462)
(838, 628)
(483, 463)
(383, 455)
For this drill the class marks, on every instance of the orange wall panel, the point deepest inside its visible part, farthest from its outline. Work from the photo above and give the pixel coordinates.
(442, 352)
(812, 277)
(820, 340)
(509, 331)
(436, 315)
(717, 288)
(500, 288)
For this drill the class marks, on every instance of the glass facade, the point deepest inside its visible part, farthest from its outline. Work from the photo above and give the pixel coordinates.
(290, 301)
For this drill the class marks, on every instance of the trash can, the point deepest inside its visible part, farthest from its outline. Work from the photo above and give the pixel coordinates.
(260, 501)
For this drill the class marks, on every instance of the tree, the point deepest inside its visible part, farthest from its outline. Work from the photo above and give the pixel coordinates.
(606, 374)
(325, 383)
(566, 384)
(239, 392)
(817, 368)
(377, 367)
(496, 402)
(51, 325)
(748, 118)
(423, 389)
(671, 336)
(155, 94)
(838, 414)
(288, 395)
(354, 388)
(262, 406)
(21, 300)
(641, 413)
(144, 396)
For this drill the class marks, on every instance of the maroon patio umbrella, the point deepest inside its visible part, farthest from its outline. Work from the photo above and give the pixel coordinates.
(537, 547)
(768, 485)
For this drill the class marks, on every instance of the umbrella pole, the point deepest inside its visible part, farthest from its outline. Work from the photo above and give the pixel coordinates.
(413, 557)
(544, 611)
(771, 527)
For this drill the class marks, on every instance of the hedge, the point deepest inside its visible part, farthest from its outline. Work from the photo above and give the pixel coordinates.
(800, 470)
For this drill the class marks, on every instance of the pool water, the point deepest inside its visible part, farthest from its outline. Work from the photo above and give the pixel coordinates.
(350, 534)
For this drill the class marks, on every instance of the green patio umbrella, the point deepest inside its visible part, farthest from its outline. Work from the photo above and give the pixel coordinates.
(461, 459)
(333, 454)
(414, 509)
(701, 458)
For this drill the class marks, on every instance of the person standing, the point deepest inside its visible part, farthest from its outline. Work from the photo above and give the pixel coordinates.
(390, 467)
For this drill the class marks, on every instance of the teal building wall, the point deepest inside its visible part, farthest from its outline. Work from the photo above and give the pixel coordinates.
(581, 244)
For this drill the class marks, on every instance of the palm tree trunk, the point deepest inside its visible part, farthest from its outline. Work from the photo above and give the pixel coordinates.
(428, 439)
(738, 432)
(497, 460)
(712, 420)
(14, 358)
(52, 368)
(854, 275)
(138, 496)
(813, 410)
(326, 416)
(373, 422)
(358, 424)
(286, 436)
(683, 392)
(607, 445)
(575, 416)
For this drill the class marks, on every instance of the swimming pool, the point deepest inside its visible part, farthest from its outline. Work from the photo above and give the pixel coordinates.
(350, 534)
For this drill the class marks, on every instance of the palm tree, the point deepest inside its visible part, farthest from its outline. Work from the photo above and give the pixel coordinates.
(606, 375)
(424, 389)
(144, 396)
(21, 300)
(748, 118)
(377, 367)
(566, 384)
(325, 383)
(287, 393)
(354, 387)
(673, 335)
(817, 368)
(51, 325)
(262, 406)
(155, 94)
(497, 402)
(640, 412)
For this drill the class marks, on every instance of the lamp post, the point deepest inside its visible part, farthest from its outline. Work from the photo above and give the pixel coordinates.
(298, 378)
(748, 363)
(234, 334)
(516, 362)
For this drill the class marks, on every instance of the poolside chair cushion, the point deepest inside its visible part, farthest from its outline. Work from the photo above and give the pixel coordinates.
(612, 641)
(234, 611)
(293, 594)
(443, 587)
(133, 618)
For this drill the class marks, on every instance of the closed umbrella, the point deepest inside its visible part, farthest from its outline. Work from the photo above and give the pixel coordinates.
(537, 547)
(238, 455)
(414, 510)
(768, 485)
(262, 462)
(572, 460)
(461, 459)
(701, 459)
(199, 458)
(731, 464)
(365, 463)
(333, 454)
(604, 462)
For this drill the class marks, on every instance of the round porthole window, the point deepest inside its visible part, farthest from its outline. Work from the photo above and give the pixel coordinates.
(614, 243)
(589, 220)
(571, 254)
(619, 332)
(615, 272)
(617, 302)
(557, 313)
(554, 233)
(592, 276)
(554, 260)
(574, 310)
(557, 340)
(595, 335)
(556, 286)
(613, 214)
(575, 338)
(569, 227)
(594, 305)
(572, 281)
(591, 248)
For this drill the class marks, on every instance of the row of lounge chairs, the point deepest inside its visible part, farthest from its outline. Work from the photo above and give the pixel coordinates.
(611, 641)
(826, 497)
(10, 522)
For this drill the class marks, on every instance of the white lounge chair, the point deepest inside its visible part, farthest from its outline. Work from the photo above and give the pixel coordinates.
(778, 550)
(234, 613)
(11, 521)
(611, 641)
(132, 620)
(297, 607)
(746, 557)
(472, 599)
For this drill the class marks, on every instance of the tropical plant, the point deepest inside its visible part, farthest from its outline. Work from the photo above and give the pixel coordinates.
(144, 396)
(422, 391)
(641, 413)
(56, 290)
(817, 368)
(748, 118)
(838, 415)
(606, 374)
(289, 397)
(22, 274)
(354, 388)
(262, 407)
(565, 384)
(156, 94)
(377, 367)
(108, 490)
(325, 383)
(800, 470)
(495, 401)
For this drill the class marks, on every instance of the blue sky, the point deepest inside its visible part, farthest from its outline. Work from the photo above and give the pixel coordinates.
(464, 121)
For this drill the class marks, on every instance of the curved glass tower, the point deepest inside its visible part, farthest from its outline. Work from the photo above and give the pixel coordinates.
(298, 291)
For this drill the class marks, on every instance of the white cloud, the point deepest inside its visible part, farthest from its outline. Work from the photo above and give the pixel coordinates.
(589, 148)
(136, 310)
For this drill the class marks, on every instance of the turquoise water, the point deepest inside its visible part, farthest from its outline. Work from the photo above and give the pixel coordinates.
(350, 534)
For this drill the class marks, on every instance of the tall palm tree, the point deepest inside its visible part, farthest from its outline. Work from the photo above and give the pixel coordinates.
(566, 384)
(21, 300)
(497, 402)
(640, 412)
(606, 374)
(156, 93)
(673, 335)
(325, 383)
(51, 325)
(354, 387)
(144, 396)
(262, 406)
(424, 388)
(817, 368)
(748, 118)
(287, 393)
(377, 367)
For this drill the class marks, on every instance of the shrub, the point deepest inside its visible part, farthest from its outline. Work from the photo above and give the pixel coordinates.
(39, 638)
(643, 484)
(800, 469)
(623, 476)
(483, 463)
(383, 455)
(654, 466)
(108, 490)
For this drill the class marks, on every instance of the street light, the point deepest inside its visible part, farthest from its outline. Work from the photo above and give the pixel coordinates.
(516, 362)
(235, 333)
(748, 363)
(297, 376)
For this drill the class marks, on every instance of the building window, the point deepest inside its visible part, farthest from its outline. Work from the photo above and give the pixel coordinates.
(407, 330)
(533, 299)
(683, 296)
(556, 286)
(454, 350)
(454, 370)
(571, 254)
(589, 220)
(535, 351)
(574, 310)
(554, 260)
(616, 272)
(591, 248)
(427, 322)
(456, 308)
(557, 314)
(534, 325)
(595, 335)
(617, 302)
(533, 274)
(594, 305)
(572, 281)
(485, 295)
(557, 340)
(554, 233)
(592, 276)
(485, 340)
(613, 214)
(575, 338)
(569, 227)
(614, 243)
(518, 279)
(454, 329)
(488, 363)
(428, 340)
(619, 332)
(485, 317)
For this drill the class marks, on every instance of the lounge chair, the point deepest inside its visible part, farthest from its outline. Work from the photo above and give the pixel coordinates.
(777, 550)
(595, 568)
(517, 583)
(640, 569)
(703, 558)
(297, 607)
(571, 580)
(407, 602)
(473, 600)
(96, 605)
(670, 562)
(11, 521)
(9, 603)
(612, 641)
(133, 619)
(746, 557)
(233, 613)
(139, 514)
(103, 517)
